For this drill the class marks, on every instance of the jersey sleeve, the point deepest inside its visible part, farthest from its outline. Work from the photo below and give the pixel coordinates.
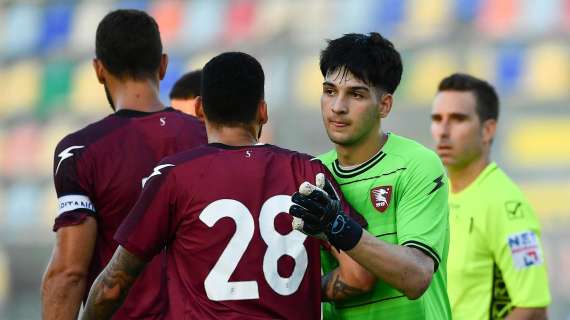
(71, 172)
(149, 225)
(517, 250)
(422, 209)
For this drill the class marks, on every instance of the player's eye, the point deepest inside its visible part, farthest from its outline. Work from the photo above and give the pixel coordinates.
(458, 118)
(436, 118)
(357, 95)
(328, 91)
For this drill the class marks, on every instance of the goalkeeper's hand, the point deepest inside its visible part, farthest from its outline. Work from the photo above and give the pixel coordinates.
(318, 210)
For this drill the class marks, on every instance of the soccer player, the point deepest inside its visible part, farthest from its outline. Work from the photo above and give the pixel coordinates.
(398, 185)
(496, 263)
(99, 170)
(220, 210)
(185, 92)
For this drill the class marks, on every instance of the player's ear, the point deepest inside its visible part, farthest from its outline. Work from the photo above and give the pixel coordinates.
(262, 112)
(163, 66)
(489, 128)
(199, 108)
(99, 70)
(385, 103)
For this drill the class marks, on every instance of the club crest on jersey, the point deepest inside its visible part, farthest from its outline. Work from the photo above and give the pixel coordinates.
(380, 197)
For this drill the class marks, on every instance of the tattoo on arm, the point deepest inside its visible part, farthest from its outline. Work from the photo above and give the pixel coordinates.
(325, 280)
(112, 285)
(341, 290)
(334, 288)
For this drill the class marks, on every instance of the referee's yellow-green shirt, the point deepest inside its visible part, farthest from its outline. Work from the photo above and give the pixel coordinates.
(496, 261)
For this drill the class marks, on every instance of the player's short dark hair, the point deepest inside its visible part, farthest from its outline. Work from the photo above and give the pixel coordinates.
(487, 106)
(188, 86)
(232, 87)
(128, 44)
(371, 58)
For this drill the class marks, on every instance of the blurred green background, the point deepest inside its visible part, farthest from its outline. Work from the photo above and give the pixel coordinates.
(48, 89)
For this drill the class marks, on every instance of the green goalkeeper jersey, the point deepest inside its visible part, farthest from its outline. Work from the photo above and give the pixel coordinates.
(496, 260)
(402, 192)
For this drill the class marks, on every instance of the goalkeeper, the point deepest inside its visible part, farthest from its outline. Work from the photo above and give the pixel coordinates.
(398, 185)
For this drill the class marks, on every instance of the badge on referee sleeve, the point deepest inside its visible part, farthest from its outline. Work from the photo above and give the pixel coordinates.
(525, 249)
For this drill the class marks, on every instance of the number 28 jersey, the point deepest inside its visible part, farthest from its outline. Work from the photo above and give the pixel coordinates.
(221, 212)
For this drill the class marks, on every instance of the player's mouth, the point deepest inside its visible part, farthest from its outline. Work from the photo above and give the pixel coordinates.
(444, 148)
(338, 124)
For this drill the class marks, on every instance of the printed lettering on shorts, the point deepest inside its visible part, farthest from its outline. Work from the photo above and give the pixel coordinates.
(525, 249)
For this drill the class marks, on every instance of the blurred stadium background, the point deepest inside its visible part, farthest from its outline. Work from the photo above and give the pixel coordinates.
(48, 89)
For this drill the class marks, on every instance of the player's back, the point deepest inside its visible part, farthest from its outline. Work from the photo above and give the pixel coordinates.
(230, 242)
(99, 171)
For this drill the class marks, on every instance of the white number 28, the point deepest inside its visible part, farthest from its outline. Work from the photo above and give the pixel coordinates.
(217, 284)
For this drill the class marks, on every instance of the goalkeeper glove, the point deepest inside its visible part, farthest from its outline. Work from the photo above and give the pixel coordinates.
(319, 211)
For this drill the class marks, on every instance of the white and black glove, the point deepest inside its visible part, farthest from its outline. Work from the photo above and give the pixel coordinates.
(317, 211)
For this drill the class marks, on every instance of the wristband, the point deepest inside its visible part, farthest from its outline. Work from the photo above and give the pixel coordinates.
(344, 233)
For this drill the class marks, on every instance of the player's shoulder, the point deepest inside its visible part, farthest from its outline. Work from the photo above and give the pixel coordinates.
(212, 148)
(499, 186)
(197, 159)
(288, 153)
(188, 118)
(86, 136)
(183, 163)
(329, 157)
(190, 155)
(295, 159)
(412, 153)
(507, 206)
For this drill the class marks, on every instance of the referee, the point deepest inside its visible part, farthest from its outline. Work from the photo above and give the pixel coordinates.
(496, 268)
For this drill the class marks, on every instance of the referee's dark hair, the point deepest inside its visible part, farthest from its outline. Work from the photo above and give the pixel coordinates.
(188, 86)
(487, 100)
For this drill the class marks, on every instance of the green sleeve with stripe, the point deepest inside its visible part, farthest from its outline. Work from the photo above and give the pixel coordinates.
(517, 250)
(422, 212)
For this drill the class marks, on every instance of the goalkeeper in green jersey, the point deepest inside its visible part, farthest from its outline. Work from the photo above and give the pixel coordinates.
(496, 266)
(397, 184)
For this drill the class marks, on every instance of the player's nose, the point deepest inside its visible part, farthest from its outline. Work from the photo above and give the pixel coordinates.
(339, 105)
(441, 129)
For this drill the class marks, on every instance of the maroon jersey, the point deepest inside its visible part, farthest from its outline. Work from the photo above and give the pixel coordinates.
(221, 212)
(99, 171)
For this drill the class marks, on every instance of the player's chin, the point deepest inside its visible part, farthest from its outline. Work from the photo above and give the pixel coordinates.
(444, 153)
(341, 139)
(447, 160)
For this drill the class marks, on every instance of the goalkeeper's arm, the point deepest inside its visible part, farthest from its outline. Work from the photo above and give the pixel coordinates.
(349, 279)
(405, 268)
